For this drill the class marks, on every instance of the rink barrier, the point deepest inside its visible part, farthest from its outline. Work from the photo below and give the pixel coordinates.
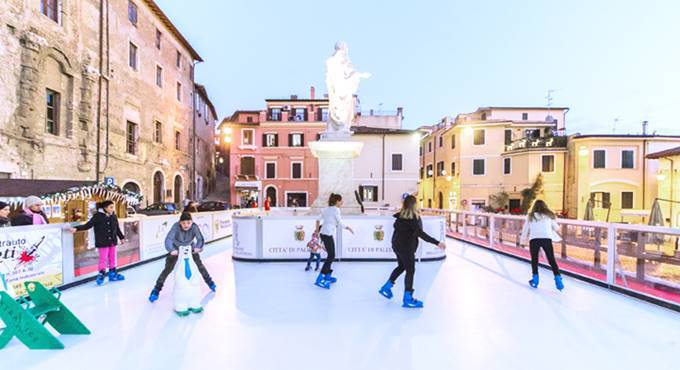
(51, 255)
(637, 260)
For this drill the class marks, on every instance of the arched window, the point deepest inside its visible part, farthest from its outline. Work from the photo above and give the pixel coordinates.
(178, 189)
(158, 181)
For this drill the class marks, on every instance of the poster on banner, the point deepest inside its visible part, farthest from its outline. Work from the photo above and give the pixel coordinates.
(204, 222)
(30, 255)
(371, 239)
(86, 256)
(435, 227)
(244, 238)
(287, 238)
(221, 225)
(154, 231)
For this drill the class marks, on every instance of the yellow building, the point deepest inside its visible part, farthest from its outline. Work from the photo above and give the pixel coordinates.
(668, 188)
(615, 172)
(493, 150)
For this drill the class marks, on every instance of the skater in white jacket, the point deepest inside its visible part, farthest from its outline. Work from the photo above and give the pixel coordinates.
(542, 229)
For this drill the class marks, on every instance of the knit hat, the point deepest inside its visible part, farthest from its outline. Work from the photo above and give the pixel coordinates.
(3, 205)
(31, 201)
(186, 216)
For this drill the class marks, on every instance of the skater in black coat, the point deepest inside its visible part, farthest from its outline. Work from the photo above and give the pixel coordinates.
(408, 227)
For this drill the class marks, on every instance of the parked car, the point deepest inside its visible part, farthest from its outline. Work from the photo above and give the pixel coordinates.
(213, 206)
(159, 209)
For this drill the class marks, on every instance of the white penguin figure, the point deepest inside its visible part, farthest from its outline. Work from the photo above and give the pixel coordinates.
(187, 289)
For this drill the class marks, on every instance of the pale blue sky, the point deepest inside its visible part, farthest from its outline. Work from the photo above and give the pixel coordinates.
(605, 59)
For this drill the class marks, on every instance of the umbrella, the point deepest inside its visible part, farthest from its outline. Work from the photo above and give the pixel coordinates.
(655, 216)
(589, 216)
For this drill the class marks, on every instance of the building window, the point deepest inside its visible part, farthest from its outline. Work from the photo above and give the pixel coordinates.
(270, 170)
(483, 117)
(627, 200)
(479, 137)
(159, 76)
(178, 139)
(324, 114)
(158, 133)
(178, 59)
(131, 135)
(132, 13)
(507, 166)
(599, 158)
(478, 167)
(299, 115)
(600, 199)
(133, 56)
(247, 137)
(508, 137)
(296, 199)
(249, 119)
(627, 159)
(275, 114)
(441, 141)
(52, 113)
(429, 172)
(453, 168)
(453, 141)
(247, 166)
(420, 149)
(296, 140)
(422, 171)
(270, 140)
(159, 36)
(397, 162)
(296, 170)
(525, 116)
(50, 8)
(440, 168)
(369, 193)
(548, 163)
(429, 147)
(179, 91)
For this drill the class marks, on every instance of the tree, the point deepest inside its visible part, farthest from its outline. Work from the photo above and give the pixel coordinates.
(530, 194)
(499, 200)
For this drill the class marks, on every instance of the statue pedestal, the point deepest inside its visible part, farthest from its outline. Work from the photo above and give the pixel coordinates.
(336, 172)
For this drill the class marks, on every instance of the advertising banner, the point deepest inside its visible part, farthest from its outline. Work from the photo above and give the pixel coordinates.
(204, 222)
(30, 255)
(286, 238)
(371, 239)
(245, 238)
(154, 231)
(221, 225)
(86, 256)
(435, 227)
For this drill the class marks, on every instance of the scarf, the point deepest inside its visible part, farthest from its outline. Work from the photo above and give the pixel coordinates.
(38, 218)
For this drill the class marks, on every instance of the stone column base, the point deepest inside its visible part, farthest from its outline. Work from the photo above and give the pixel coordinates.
(336, 173)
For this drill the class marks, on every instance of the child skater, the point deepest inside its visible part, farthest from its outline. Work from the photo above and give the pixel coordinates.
(314, 247)
(326, 226)
(182, 233)
(106, 235)
(408, 227)
(542, 229)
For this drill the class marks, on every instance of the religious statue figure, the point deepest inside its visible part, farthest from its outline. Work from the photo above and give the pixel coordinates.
(342, 82)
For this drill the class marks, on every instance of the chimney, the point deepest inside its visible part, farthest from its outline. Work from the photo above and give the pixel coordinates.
(312, 93)
(293, 97)
(644, 127)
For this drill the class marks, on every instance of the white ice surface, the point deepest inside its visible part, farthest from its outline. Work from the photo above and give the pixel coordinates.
(479, 314)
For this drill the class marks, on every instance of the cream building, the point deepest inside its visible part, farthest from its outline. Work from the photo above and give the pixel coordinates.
(92, 92)
(668, 191)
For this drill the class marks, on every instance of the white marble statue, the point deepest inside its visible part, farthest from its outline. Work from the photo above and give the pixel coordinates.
(342, 82)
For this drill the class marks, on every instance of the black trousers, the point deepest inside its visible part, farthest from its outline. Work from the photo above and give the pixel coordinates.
(535, 246)
(171, 261)
(406, 261)
(329, 243)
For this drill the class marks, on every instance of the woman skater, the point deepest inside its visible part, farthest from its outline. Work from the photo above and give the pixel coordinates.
(106, 235)
(542, 228)
(328, 222)
(407, 229)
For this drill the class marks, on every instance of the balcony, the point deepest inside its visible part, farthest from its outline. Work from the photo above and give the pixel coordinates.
(537, 143)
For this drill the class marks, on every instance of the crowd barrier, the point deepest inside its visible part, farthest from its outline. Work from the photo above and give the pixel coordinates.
(53, 256)
(640, 260)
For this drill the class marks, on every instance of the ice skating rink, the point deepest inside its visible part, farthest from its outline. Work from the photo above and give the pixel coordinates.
(479, 314)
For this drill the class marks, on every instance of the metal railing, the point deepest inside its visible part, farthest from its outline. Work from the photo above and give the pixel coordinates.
(536, 143)
(639, 259)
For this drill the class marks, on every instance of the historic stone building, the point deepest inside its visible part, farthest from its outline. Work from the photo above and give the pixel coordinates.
(93, 89)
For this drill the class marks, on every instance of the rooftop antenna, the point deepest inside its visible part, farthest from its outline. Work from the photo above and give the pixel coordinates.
(616, 122)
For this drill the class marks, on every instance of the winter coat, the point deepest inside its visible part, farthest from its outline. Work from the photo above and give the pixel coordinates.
(106, 229)
(4, 222)
(25, 217)
(407, 232)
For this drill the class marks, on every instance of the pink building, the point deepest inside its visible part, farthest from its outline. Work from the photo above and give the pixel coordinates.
(269, 155)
